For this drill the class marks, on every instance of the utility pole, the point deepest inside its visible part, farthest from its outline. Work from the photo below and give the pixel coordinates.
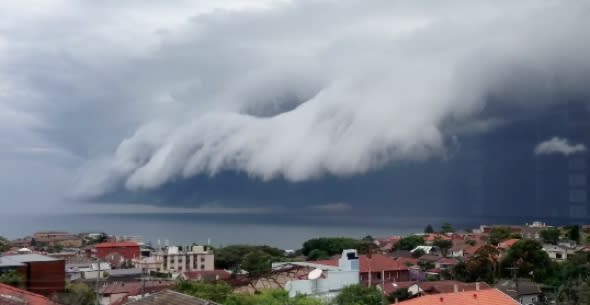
(97, 286)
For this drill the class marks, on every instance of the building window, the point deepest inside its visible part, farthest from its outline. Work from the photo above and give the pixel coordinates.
(202, 259)
(203, 267)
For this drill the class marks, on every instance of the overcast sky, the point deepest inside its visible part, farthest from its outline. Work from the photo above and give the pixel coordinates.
(98, 97)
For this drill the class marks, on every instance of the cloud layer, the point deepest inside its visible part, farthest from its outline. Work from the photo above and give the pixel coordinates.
(295, 90)
(558, 145)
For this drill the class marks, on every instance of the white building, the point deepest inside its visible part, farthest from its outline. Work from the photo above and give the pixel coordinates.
(331, 280)
(562, 250)
(177, 259)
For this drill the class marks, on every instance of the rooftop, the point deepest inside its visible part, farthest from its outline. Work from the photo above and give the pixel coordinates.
(20, 259)
(13, 296)
(169, 297)
(117, 244)
(481, 297)
(376, 263)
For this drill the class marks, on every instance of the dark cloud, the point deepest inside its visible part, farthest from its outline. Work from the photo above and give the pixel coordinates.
(352, 102)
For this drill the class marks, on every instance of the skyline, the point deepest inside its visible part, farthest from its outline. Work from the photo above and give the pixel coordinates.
(314, 107)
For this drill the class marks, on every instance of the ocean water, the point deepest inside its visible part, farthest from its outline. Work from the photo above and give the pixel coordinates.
(283, 231)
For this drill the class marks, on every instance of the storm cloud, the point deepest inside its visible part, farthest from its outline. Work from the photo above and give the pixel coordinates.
(143, 95)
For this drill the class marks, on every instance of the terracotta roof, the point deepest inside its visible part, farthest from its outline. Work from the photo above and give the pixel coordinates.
(207, 275)
(481, 297)
(447, 261)
(435, 236)
(116, 244)
(169, 297)
(13, 296)
(376, 263)
(133, 288)
(391, 286)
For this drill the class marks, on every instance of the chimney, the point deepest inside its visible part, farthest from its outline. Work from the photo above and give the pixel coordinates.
(441, 299)
(477, 286)
(455, 288)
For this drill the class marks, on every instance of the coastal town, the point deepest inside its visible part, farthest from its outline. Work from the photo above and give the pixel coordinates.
(533, 263)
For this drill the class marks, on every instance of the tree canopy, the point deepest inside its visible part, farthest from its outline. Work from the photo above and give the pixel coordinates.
(444, 245)
(77, 294)
(409, 243)
(447, 228)
(528, 256)
(11, 278)
(359, 295)
(550, 235)
(331, 245)
(4, 244)
(244, 257)
(498, 235)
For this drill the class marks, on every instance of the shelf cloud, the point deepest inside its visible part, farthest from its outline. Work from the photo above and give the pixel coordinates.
(296, 90)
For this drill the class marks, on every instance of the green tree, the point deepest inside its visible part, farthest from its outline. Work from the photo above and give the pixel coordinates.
(76, 294)
(447, 228)
(409, 243)
(359, 295)
(498, 235)
(444, 245)
(418, 253)
(530, 259)
(550, 235)
(317, 254)
(271, 297)
(12, 278)
(4, 244)
(429, 229)
(399, 295)
(232, 257)
(257, 263)
(216, 292)
(573, 233)
(330, 245)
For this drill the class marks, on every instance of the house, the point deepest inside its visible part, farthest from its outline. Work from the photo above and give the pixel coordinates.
(324, 280)
(525, 291)
(168, 297)
(561, 251)
(206, 275)
(478, 297)
(434, 250)
(42, 274)
(387, 244)
(178, 259)
(14, 296)
(54, 238)
(113, 292)
(117, 253)
(377, 268)
(437, 287)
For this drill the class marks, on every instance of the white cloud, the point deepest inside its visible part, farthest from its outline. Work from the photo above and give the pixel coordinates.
(558, 145)
(151, 93)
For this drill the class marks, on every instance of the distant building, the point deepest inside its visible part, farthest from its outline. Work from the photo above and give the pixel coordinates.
(53, 238)
(176, 259)
(561, 251)
(117, 253)
(42, 274)
(524, 291)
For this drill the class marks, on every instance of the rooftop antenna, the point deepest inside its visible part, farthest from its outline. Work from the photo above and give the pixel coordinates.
(313, 276)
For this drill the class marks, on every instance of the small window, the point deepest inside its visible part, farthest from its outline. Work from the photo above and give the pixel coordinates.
(202, 266)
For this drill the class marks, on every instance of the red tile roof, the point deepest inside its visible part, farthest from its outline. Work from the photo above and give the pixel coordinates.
(207, 275)
(117, 244)
(376, 263)
(481, 297)
(435, 287)
(13, 296)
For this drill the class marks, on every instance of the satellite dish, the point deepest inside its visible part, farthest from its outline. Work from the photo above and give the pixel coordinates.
(315, 274)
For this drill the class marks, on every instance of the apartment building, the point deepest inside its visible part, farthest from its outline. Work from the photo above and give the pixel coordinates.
(178, 259)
